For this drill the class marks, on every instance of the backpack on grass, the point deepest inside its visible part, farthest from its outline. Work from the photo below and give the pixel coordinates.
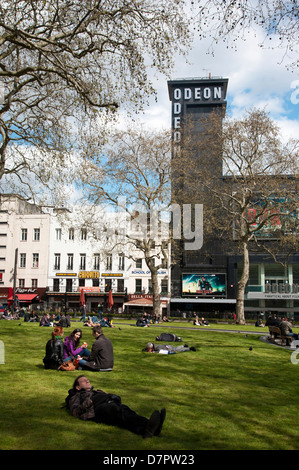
(168, 337)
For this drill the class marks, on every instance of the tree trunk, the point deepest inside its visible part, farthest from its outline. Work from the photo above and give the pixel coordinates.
(156, 293)
(241, 286)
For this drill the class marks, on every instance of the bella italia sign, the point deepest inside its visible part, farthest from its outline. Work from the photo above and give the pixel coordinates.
(277, 291)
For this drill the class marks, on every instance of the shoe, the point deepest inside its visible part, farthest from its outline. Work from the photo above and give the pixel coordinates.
(162, 418)
(192, 348)
(186, 345)
(152, 425)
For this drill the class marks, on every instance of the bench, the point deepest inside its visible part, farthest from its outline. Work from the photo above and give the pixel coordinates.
(275, 332)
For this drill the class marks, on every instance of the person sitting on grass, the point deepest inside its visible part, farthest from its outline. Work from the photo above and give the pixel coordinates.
(86, 403)
(72, 346)
(54, 350)
(101, 355)
(167, 348)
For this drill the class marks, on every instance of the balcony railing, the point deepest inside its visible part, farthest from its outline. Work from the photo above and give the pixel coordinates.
(63, 289)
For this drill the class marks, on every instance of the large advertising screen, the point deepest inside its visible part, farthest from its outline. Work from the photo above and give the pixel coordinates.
(204, 285)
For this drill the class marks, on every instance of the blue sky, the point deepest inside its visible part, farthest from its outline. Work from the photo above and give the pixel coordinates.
(258, 77)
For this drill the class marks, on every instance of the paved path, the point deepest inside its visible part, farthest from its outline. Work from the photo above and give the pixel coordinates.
(262, 332)
(198, 328)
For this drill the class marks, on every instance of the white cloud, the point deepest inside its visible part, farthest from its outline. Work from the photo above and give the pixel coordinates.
(257, 77)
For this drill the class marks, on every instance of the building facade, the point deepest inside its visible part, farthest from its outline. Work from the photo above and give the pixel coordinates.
(47, 259)
(24, 257)
(208, 284)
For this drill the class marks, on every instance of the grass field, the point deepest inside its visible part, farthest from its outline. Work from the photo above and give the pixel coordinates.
(224, 396)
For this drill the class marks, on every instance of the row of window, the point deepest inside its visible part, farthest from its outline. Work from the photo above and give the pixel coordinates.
(82, 262)
(83, 234)
(140, 287)
(82, 265)
(36, 234)
(96, 262)
(23, 260)
(21, 283)
(35, 237)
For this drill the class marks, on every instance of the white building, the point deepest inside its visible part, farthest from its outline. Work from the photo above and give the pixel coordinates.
(62, 252)
(24, 249)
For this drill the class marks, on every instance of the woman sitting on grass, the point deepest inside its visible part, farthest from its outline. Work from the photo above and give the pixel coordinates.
(71, 346)
(54, 349)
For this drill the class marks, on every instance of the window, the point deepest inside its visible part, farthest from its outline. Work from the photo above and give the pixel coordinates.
(150, 286)
(138, 286)
(95, 283)
(139, 263)
(34, 283)
(70, 261)
(56, 284)
(121, 262)
(22, 260)
(35, 259)
(57, 261)
(120, 285)
(164, 263)
(58, 233)
(164, 287)
(71, 234)
(22, 283)
(36, 235)
(83, 261)
(96, 261)
(109, 263)
(83, 234)
(24, 234)
(69, 285)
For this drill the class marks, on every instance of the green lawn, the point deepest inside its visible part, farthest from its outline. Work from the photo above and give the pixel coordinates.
(223, 396)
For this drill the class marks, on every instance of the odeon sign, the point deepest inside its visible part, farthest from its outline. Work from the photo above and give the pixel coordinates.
(192, 95)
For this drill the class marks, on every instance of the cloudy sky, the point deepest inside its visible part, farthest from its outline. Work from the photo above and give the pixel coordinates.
(257, 77)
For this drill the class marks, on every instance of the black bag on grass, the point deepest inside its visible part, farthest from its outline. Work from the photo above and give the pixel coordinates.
(168, 337)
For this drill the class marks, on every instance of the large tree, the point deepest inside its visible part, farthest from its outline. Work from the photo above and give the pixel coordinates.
(230, 20)
(253, 205)
(64, 61)
(131, 175)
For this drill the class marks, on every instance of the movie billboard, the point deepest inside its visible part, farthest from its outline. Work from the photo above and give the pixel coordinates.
(204, 285)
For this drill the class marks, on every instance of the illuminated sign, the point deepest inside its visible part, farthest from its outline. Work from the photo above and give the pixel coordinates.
(66, 274)
(89, 275)
(197, 92)
(112, 275)
(204, 285)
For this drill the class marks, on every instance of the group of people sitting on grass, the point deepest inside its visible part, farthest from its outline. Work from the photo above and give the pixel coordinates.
(201, 322)
(86, 403)
(100, 357)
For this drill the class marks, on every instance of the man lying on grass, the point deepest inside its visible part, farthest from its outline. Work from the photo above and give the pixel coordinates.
(167, 348)
(86, 403)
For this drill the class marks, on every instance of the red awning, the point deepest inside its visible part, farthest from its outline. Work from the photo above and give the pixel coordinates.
(24, 297)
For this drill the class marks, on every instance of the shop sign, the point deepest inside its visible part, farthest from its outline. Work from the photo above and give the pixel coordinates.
(112, 275)
(139, 272)
(66, 274)
(89, 275)
(279, 290)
